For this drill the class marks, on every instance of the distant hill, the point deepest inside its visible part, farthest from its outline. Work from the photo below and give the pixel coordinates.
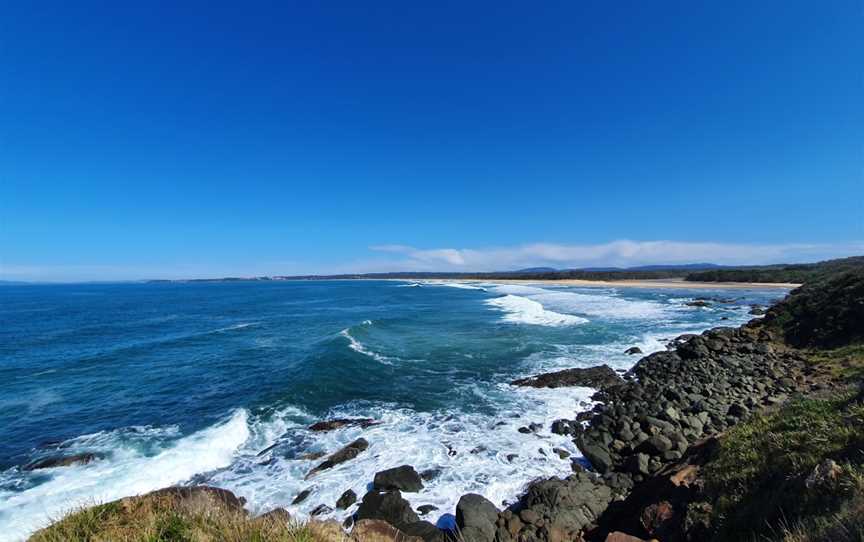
(700, 272)
(796, 273)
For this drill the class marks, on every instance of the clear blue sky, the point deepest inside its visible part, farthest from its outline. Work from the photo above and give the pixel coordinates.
(144, 139)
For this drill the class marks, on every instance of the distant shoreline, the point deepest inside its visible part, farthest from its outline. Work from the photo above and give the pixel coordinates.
(642, 283)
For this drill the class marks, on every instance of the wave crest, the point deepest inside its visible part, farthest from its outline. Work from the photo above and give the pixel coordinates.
(521, 310)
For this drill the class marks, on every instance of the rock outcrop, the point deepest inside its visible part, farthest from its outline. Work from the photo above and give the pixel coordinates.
(599, 377)
(345, 454)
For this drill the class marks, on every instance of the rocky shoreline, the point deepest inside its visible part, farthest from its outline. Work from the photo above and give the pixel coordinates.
(644, 442)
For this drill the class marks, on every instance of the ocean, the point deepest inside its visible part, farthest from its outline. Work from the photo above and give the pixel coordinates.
(216, 383)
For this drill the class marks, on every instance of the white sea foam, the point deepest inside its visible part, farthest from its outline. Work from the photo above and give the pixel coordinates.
(475, 453)
(521, 310)
(609, 306)
(128, 471)
(358, 347)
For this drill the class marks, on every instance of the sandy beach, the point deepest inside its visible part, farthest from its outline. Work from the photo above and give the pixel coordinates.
(648, 283)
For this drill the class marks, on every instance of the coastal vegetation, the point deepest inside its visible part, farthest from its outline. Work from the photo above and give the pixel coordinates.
(194, 514)
(781, 273)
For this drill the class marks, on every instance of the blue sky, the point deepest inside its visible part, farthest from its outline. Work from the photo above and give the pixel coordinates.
(146, 139)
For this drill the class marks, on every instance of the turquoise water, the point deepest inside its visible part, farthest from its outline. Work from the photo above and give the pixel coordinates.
(216, 382)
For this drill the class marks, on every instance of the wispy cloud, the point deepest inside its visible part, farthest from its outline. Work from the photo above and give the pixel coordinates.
(616, 253)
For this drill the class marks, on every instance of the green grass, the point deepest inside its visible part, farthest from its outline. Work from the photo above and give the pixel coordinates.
(845, 364)
(761, 466)
(152, 518)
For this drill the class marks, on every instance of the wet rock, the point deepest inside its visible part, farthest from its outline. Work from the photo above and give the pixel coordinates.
(320, 510)
(564, 427)
(599, 377)
(345, 454)
(403, 478)
(346, 499)
(633, 350)
(426, 508)
(302, 496)
(338, 423)
(563, 454)
(311, 456)
(698, 303)
(430, 474)
(61, 461)
(476, 518)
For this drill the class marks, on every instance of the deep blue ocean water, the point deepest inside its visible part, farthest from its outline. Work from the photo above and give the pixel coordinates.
(216, 383)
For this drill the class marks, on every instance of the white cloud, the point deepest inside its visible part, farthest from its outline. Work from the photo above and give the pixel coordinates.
(623, 253)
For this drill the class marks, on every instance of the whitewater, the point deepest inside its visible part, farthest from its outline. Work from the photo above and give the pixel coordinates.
(217, 384)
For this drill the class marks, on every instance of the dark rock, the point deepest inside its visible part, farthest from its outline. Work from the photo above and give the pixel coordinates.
(345, 454)
(698, 303)
(388, 506)
(476, 518)
(426, 531)
(311, 456)
(563, 427)
(403, 478)
(566, 505)
(599, 377)
(61, 461)
(756, 310)
(430, 474)
(321, 509)
(597, 455)
(302, 496)
(633, 350)
(563, 454)
(330, 425)
(426, 508)
(346, 499)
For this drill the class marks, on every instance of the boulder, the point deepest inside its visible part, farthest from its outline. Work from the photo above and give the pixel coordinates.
(347, 453)
(596, 454)
(476, 517)
(633, 350)
(347, 499)
(388, 506)
(403, 478)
